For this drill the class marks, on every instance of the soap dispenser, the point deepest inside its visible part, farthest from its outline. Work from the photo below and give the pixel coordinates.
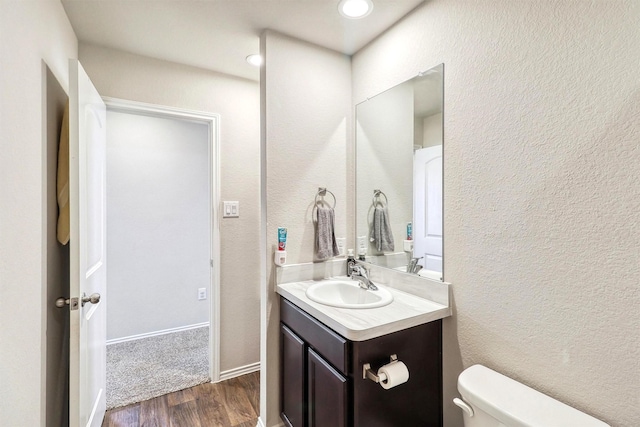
(351, 262)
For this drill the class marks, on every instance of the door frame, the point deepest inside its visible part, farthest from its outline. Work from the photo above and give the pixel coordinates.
(212, 120)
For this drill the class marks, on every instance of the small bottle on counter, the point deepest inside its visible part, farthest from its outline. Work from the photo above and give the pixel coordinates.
(351, 262)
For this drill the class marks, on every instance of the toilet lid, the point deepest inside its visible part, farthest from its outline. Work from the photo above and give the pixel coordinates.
(515, 404)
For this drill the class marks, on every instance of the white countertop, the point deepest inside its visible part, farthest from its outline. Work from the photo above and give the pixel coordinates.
(405, 311)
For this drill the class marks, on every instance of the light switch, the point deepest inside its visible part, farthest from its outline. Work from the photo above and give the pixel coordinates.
(231, 210)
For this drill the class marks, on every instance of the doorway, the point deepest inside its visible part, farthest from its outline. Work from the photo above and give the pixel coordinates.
(163, 250)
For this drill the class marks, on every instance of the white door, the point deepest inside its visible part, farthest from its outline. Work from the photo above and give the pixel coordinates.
(427, 207)
(87, 137)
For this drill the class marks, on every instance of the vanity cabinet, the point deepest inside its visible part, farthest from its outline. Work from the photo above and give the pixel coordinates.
(321, 380)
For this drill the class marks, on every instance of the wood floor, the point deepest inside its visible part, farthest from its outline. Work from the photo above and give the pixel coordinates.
(231, 403)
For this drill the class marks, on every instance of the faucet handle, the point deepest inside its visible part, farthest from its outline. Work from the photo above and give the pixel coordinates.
(358, 270)
(413, 266)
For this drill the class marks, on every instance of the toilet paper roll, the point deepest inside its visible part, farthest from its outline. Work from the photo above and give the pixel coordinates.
(396, 373)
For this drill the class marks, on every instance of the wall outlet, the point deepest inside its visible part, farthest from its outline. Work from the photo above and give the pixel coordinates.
(202, 293)
(362, 245)
(341, 242)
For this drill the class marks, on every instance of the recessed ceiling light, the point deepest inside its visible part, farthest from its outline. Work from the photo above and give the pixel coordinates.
(355, 9)
(255, 60)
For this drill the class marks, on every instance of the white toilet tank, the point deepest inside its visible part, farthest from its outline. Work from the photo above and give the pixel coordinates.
(490, 399)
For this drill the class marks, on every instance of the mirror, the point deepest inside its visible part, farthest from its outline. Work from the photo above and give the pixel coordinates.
(399, 186)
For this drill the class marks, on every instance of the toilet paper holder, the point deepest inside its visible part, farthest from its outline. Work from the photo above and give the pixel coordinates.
(368, 373)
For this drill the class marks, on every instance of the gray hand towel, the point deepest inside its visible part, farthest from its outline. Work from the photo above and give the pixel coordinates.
(381, 230)
(326, 246)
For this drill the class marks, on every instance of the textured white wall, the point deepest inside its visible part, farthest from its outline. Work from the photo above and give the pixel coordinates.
(542, 201)
(122, 75)
(33, 33)
(158, 223)
(307, 123)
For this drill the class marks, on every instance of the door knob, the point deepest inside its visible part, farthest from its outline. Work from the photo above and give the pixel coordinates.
(62, 301)
(73, 302)
(93, 298)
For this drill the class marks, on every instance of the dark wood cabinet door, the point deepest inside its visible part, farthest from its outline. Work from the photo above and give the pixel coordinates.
(333, 347)
(292, 378)
(328, 394)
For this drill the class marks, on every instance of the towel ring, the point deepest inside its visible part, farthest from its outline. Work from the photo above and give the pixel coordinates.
(376, 198)
(323, 192)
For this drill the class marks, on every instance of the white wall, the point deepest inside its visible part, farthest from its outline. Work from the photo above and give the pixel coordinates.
(306, 120)
(432, 130)
(32, 33)
(158, 224)
(542, 202)
(122, 75)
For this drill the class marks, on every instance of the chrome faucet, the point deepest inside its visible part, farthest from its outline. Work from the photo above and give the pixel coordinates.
(413, 266)
(360, 274)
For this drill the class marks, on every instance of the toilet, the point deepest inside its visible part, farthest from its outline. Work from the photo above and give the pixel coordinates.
(490, 399)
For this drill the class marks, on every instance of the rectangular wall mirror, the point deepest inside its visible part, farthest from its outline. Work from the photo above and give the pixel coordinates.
(399, 185)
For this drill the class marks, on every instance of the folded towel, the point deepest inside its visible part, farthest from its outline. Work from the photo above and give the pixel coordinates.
(62, 184)
(381, 230)
(326, 246)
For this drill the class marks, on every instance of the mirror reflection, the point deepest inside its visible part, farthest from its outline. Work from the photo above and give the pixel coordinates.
(399, 148)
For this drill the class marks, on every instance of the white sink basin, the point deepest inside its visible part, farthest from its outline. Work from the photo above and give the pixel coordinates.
(347, 294)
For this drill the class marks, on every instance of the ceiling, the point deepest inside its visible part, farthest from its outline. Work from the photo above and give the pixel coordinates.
(219, 34)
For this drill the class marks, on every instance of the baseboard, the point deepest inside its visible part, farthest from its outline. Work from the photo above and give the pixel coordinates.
(261, 424)
(157, 333)
(242, 370)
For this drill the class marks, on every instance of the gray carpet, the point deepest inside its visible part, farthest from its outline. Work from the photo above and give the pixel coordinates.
(150, 367)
